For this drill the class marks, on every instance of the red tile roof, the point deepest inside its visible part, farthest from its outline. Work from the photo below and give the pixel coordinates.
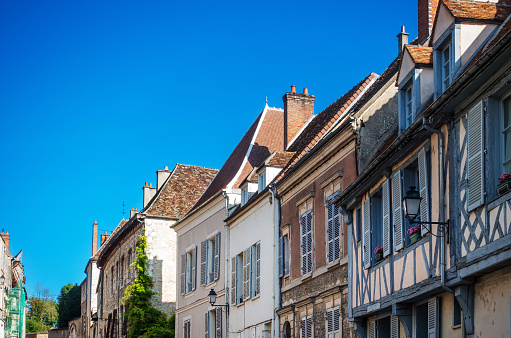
(181, 190)
(279, 159)
(420, 55)
(251, 178)
(478, 10)
(265, 136)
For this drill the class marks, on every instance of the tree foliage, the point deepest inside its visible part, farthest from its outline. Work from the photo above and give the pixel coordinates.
(69, 306)
(144, 320)
(42, 311)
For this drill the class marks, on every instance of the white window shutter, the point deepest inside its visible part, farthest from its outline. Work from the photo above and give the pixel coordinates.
(194, 268)
(206, 325)
(258, 269)
(424, 191)
(394, 327)
(218, 324)
(306, 226)
(372, 329)
(246, 274)
(183, 274)
(432, 319)
(330, 231)
(281, 256)
(303, 327)
(397, 201)
(475, 161)
(337, 232)
(386, 218)
(217, 256)
(309, 242)
(367, 233)
(308, 321)
(203, 262)
(329, 324)
(233, 280)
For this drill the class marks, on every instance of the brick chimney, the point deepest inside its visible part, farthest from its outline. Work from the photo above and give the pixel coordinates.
(6, 237)
(298, 109)
(104, 237)
(149, 192)
(402, 40)
(427, 12)
(161, 177)
(133, 212)
(94, 238)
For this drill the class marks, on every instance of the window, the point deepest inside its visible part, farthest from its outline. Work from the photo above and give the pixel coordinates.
(456, 313)
(186, 329)
(410, 179)
(244, 196)
(283, 256)
(408, 107)
(507, 135)
(210, 260)
(213, 323)
(333, 230)
(359, 224)
(188, 271)
(426, 319)
(122, 271)
(246, 274)
(261, 180)
(446, 64)
(384, 327)
(306, 230)
(333, 323)
(376, 223)
(306, 327)
(112, 280)
(129, 264)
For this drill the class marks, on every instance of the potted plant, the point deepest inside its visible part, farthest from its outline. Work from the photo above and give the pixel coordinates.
(504, 184)
(414, 233)
(378, 253)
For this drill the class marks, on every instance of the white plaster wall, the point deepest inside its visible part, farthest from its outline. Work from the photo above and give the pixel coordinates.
(406, 66)
(255, 225)
(492, 305)
(427, 84)
(472, 36)
(161, 251)
(443, 21)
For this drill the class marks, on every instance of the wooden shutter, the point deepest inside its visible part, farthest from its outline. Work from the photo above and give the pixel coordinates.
(303, 224)
(306, 221)
(203, 262)
(183, 274)
(206, 325)
(394, 327)
(333, 323)
(309, 241)
(367, 233)
(233, 280)
(303, 324)
(194, 268)
(386, 217)
(281, 256)
(218, 323)
(217, 256)
(330, 231)
(432, 320)
(308, 324)
(424, 191)
(258, 269)
(372, 329)
(246, 274)
(398, 214)
(337, 232)
(475, 161)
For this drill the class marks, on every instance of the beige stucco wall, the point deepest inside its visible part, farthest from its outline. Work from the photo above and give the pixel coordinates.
(443, 21)
(492, 305)
(472, 36)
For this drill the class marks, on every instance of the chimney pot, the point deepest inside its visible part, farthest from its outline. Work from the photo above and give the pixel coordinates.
(293, 89)
(298, 110)
(166, 168)
(402, 40)
(305, 91)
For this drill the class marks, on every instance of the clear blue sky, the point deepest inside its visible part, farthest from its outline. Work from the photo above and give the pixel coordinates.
(95, 96)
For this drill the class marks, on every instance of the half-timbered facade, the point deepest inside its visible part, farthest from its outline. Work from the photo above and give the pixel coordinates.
(436, 276)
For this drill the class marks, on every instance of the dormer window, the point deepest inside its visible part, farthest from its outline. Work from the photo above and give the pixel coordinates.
(261, 180)
(248, 189)
(408, 105)
(446, 71)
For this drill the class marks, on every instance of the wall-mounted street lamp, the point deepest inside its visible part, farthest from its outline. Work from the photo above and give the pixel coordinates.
(412, 204)
(212, 301)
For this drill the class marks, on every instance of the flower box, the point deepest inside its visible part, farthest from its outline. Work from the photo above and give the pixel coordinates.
(378, 256)
(504, 187)
(414, 237)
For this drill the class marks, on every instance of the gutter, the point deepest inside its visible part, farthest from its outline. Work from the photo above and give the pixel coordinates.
(275, 322)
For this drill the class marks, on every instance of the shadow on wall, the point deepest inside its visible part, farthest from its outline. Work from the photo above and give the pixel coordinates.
(156, 271)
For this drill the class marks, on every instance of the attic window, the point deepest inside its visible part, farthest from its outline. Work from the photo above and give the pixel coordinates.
(446, 65)
(408, 105)
(261, 180)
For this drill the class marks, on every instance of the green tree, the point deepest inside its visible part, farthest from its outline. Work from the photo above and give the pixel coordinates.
(69, 304)
(144, 320)
(42, 311)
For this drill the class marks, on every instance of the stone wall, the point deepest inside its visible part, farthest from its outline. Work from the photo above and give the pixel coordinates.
(37, 335)
(58, 333)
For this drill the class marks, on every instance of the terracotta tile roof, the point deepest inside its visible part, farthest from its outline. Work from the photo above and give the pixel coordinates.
(478, 10)
(420, 55)
(250, 152)
(320, 125)
(116, 230)
(181, 190)
(279, 159)
(251, 178)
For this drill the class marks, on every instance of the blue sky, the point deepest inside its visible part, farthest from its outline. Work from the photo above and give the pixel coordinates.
(95, 96)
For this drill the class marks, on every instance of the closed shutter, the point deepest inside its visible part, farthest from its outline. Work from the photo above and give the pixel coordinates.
(398, 214)
(303, 327)
(367, 233)
(218, 324)
(246, 274)
(386, 218)
(432, 320)
(333, 323)
(183, 273)
(424, 191)
(306, 221)
(372, 329)
(394, 327)
(217, 256)
(337, 232)
(203, 262)
(306, 327)
(333, 230)
(258, 269)
(194, 268)
(475, 160)
(206, 325)
(233, 280)
(281, 256)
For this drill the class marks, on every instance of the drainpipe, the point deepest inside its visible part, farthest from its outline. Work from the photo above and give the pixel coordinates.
(275, 322)
(226, 259)
(441, 216)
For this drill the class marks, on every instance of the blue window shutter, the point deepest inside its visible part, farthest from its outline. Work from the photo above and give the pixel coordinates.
(475, 161)
(367, 233)
(398, 214)
(424, 190)
(386, 218)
